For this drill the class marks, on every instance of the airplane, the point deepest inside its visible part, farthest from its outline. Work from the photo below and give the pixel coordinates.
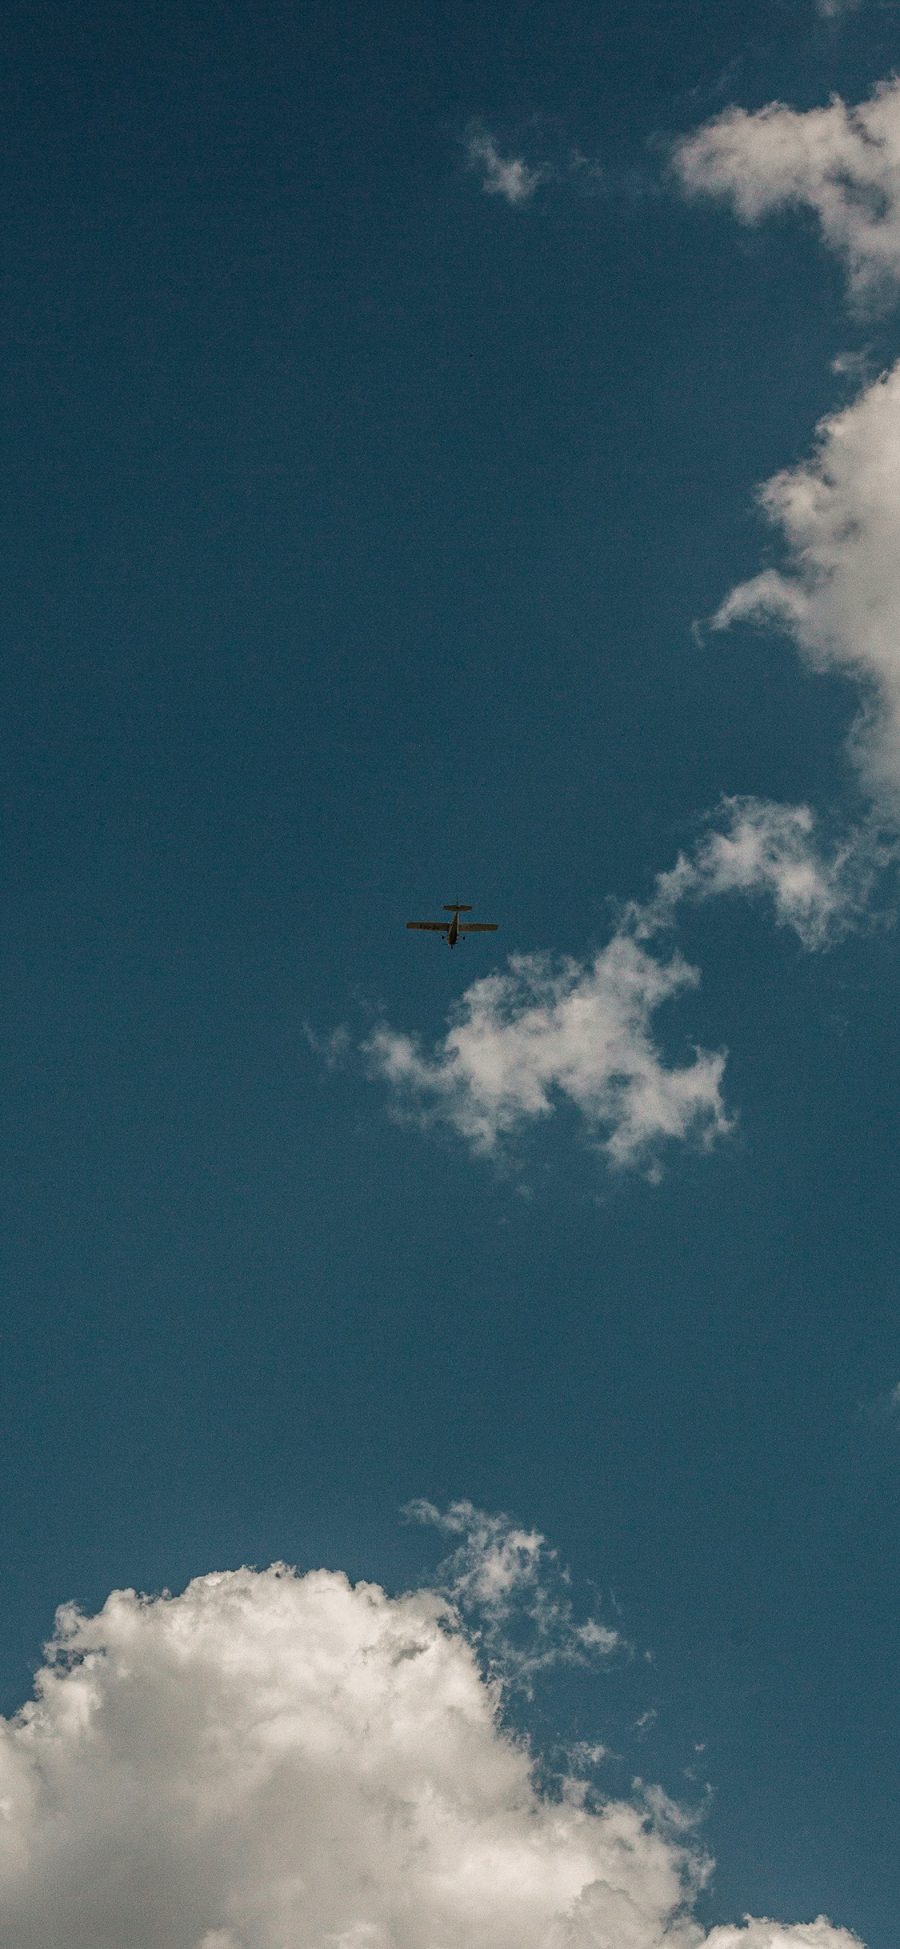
(451, 929)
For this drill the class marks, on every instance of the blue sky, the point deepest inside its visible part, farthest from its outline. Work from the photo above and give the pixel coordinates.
(387, 397)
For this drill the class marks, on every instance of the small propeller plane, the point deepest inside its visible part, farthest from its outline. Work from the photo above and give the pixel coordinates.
(451, 929)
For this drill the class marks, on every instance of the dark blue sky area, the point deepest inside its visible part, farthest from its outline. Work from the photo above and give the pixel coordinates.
(355, 524)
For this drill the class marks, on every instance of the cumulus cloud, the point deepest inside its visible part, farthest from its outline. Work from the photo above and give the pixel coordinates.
(841, 162)
(838, 595)
(272, 1758)
(508, 1585)
(507, 176)
(761, 1934)
(546, 1030)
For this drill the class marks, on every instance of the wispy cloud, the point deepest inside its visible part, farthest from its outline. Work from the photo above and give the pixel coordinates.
(841, 162)
(508, 176)
(272, 1758)
(886, 1406)
(759, 849)
(516, 177)
(509, 1587)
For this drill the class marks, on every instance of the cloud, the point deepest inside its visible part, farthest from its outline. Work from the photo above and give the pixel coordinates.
(838, 596)
(886, 1407)
(273, 1758)
(856, 366)
(509, 1587)
(546, 1030)
(763, 1934)
(763, 849)
(565, 166)
(507, 176)
(841, 162)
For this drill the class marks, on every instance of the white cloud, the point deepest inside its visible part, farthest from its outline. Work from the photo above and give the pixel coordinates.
(508, 1585)
(507, 176)
(841, 162)
(271, 1759)
(547, 1029)
(763, 1934)
(761, 848)
(839, 594)
(544, 1031)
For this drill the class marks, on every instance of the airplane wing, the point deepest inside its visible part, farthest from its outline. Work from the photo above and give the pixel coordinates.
(430, 926)
(478, 926)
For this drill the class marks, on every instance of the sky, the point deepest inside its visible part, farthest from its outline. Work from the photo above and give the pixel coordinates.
(450, 1401)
